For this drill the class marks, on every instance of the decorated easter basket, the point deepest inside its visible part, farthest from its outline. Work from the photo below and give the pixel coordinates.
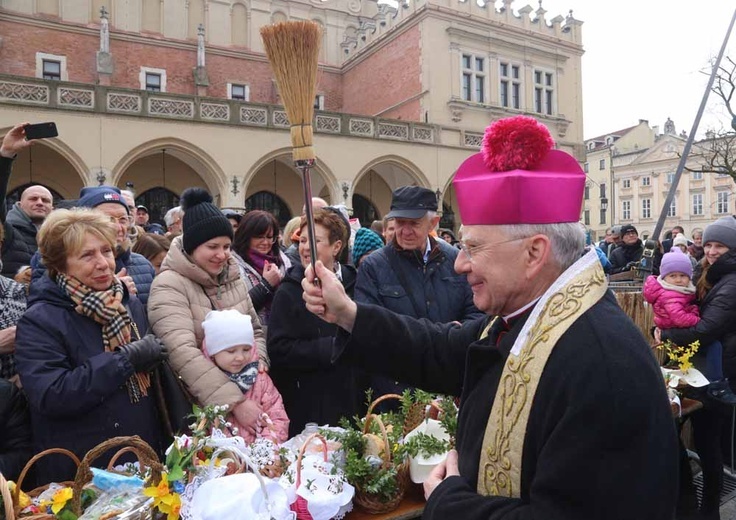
(375, 503)
(37, 491)
(147, 458)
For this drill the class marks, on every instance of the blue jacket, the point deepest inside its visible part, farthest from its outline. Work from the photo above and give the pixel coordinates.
(76, 390)
(438, 292)
(434, 289)
(138, 267)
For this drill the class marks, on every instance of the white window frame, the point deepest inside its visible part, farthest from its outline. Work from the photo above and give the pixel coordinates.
(670, 177)
(625, 210)
(151, 70)
(646, 180)
(697, 176)
(319, 102)
(697, 207)
(510, 82)
(474, 74)
(646, 208)
(722, 202)
(41, 56)
(230, 91)
(626, 183)
(672, 210)
(586, 217)
(546, 104)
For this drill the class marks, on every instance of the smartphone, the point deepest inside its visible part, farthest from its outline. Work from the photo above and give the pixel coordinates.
(40, 131)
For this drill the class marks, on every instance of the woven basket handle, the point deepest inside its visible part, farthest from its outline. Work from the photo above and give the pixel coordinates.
(7, 499)
(29, 465)
(301, 455)
(381, 399)
(146, 456)
(245, 463)
(387, 450)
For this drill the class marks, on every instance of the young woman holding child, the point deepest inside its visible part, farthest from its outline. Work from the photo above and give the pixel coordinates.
(199, 276)
(716, 292)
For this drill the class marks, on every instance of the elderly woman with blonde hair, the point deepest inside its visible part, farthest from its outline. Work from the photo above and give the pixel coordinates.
(80, 350)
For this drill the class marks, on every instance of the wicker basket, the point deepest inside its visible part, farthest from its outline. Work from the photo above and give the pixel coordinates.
(146, 457)
(300, 504)
(7, 498)
(34, 493)
(371, 503)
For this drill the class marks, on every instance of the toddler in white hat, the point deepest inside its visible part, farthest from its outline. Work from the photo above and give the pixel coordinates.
(228, 342)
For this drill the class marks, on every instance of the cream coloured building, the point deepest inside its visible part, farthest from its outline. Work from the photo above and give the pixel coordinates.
(642, 164)
(162, 95)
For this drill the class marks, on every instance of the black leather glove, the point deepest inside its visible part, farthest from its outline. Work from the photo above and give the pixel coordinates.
(144, 354)
(630, 266)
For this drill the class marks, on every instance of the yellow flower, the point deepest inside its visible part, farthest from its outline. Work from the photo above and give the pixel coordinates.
(23, 499)
(60, 498)
(171, 506)
(164, 500)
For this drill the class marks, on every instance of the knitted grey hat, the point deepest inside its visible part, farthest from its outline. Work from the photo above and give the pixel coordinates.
(722, 230)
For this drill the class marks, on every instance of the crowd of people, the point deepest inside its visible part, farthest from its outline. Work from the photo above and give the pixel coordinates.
(95, 300)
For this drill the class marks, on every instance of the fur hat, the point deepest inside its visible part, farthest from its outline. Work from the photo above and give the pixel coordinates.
(202, 220)
(675, 262)
(722, 230)
(227, 329)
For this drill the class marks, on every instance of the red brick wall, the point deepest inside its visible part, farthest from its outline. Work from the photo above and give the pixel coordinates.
(21, 42)
(386, 78)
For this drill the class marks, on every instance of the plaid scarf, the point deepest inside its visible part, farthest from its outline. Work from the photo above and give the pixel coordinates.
(107, 309)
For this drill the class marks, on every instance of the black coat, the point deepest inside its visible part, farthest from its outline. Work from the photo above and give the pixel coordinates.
(15, 430)
(600, 443)
(76, 390)
(300, 347)
(623, 255)
(717, 312)
(20, 232)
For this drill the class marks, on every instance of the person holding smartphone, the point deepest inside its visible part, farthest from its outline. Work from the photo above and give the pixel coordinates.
(26, 216)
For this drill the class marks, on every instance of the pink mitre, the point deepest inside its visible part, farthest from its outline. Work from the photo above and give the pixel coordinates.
(518, 178)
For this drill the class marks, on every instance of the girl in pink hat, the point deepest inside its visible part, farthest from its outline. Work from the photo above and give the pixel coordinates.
(672, 295)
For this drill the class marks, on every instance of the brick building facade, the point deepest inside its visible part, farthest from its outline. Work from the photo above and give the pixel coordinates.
(164, 94)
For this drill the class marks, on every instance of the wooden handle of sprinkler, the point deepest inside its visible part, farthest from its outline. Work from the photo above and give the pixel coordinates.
(304, 167)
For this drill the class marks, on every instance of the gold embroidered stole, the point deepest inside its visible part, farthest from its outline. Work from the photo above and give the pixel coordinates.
(576, 291)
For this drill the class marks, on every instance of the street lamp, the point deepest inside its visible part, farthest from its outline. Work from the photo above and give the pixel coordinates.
(604, 204)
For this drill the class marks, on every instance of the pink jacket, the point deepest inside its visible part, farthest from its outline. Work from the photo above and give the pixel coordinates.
(672, 309)
(264, 392)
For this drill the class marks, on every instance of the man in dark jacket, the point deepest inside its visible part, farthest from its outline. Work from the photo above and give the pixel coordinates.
(133, 269)
(414, 274)
(563, 411)
(625, 257)
(27, 215)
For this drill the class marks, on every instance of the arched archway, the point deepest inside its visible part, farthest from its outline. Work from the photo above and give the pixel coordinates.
(158, 201)
(364, 210)
(44, 164)
(275, 173)
(450, 214)
(267, 201)
(170, 163)
(14, 195)
(379, 178)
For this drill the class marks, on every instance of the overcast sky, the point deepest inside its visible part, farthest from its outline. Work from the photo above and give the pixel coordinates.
(643, 60)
